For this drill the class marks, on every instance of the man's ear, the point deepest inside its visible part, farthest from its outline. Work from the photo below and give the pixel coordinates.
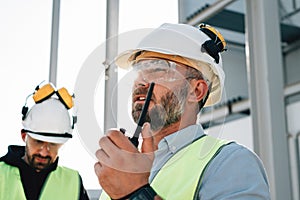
(23, 135)
(198, 90)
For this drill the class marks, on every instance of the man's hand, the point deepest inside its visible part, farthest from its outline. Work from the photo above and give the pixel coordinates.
(121, 168)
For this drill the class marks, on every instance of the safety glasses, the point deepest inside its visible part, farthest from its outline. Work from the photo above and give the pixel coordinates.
(40, 145)
(45, 92)
(158, 70)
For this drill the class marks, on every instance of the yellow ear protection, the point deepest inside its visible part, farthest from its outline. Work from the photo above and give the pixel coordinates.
(45, 92)
(217, 43)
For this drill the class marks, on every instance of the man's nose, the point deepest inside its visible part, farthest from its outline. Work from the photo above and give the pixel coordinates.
(141, 83)
(44, 149)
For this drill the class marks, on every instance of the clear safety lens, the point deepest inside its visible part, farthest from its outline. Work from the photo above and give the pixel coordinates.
(53, 147)
(157, 70)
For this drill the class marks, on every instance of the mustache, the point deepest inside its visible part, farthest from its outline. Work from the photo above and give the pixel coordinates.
(142, 91)
(40, 156)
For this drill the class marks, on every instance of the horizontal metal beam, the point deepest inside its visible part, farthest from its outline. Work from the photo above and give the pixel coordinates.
(292, 89)
(289, 15)
(240, 106)
(210, 11)
(291, 47)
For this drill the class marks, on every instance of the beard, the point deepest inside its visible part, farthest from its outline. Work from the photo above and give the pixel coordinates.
(169, 110)
(32, 161)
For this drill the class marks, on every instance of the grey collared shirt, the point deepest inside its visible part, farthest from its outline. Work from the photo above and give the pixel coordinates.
(235, 173)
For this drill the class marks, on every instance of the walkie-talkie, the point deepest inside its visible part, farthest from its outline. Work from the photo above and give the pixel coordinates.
(135, 138)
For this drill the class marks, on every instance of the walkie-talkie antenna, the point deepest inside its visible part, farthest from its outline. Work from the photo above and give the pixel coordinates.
(135, 138)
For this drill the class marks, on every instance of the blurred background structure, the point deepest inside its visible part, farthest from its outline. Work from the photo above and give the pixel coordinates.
(50, 40)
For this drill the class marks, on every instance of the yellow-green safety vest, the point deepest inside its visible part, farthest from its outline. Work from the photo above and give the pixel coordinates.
(61, 184)
(181, 176)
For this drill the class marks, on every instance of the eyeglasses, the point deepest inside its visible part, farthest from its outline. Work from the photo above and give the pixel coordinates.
(45, 92)
(158, 70)
(38, 144)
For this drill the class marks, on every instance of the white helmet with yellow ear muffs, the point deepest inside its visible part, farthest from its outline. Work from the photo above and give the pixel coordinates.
(197, 47)
(49, 119)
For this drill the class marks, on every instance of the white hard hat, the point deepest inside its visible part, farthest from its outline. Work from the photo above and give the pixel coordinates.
(48, 121)
(181, 42)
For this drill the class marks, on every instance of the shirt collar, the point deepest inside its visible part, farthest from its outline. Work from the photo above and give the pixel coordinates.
(181, 138)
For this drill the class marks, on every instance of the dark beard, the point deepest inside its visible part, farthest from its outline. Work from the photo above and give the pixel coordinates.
(35, 165)
(165, 114)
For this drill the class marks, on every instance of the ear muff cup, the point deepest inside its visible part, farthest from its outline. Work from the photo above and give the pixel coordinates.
(65, 97)
(217, 43)
(43, 93)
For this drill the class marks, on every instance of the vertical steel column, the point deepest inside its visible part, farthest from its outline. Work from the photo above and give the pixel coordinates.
(295, 163)
(265, 70)
(111, 73)
(54, 41)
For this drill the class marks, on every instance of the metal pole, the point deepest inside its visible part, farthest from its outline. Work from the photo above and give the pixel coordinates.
(295, 163)
(54, 41)
(111, 73)
(265, 70)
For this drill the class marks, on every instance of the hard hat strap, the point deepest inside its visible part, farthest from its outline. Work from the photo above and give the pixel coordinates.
(64, 135)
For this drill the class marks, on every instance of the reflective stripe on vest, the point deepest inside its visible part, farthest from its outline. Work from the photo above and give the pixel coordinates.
(180, 176)
(61, 184)
(104, 196)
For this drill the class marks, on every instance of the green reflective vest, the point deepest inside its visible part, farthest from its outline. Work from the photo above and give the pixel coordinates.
(180, 178)
(61, 184)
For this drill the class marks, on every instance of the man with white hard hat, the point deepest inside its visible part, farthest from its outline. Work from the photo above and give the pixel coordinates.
(32, 172)
(182, 66)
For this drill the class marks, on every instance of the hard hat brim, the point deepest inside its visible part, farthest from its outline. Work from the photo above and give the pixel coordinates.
(57, 140)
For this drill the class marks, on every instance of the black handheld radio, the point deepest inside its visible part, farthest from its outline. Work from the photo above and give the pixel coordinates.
(135, 138)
